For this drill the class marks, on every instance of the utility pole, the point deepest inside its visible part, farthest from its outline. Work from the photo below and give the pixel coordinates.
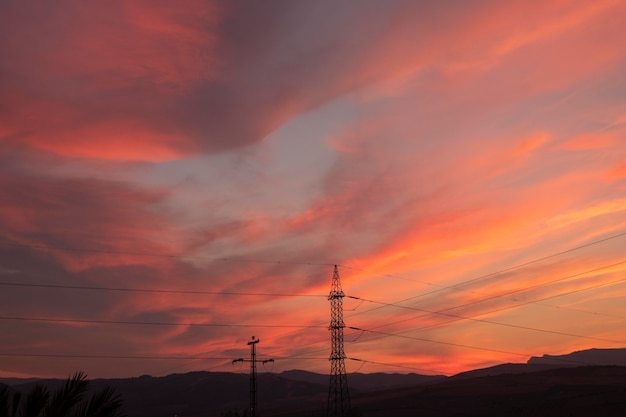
(253, 386)
(338, 395)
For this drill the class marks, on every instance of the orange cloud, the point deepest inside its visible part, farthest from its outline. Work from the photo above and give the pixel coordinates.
(460, 164)
(616, 173)
(600, 209)
(551, 21)
(532, 142)
(589, 141)
(105, 222)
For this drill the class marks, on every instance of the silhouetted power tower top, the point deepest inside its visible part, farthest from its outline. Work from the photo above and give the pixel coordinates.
(338, 395)
(253, 387)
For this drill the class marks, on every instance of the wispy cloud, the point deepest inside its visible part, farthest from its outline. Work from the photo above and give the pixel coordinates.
(243, 150)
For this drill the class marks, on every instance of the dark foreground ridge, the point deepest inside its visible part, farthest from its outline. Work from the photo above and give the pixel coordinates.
(594, 391)
(538, 388)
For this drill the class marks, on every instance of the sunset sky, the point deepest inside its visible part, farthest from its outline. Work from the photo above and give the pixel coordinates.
(177, 177)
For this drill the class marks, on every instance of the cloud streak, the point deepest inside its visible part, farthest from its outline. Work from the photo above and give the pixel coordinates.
(240, 151)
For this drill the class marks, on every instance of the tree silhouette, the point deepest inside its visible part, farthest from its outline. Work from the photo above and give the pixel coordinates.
(68, 401)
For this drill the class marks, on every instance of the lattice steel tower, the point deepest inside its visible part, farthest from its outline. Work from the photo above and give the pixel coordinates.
(338, 395)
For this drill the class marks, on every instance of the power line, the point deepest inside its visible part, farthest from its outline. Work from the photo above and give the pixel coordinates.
(579, 310)
(247, 260)
(413, 368)
(149, 323)
(532, 287)
(538, 301)
(268, 294)
(161, 291)
(164, 371)
(262, 261)
(312, 326)
(160, 255)
(148, 357)
(397, 304)
(481, 277)
(458, 317)
(421, 339)
(502, 296)
(297, 357)
(257, 294)
(496, 323)
(604, 284)
(211, 358)
(74, 356)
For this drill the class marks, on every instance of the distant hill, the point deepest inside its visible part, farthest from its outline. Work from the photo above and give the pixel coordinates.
(17, 381)
(367, 382)
(545, 386)
(583, 358)
(503, 369)
(213, 393)
(599, 357)
(573, 391)
(595, 391)
(202, 393)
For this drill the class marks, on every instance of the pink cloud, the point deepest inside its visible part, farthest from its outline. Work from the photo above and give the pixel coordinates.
(120, 83)
(617, 172)
(485, 138)
(80, 213)
(590, 141)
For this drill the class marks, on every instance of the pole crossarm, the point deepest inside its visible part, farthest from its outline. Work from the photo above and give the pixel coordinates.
(253, 379)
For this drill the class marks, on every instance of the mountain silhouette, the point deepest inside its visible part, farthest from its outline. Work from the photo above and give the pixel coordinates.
(583, 358)
(550, 385)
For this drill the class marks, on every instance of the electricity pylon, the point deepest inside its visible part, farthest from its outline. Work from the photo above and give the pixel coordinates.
(338, 395)
(253, 391)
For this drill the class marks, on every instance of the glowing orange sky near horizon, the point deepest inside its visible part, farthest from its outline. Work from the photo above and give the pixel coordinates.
(465, 164)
